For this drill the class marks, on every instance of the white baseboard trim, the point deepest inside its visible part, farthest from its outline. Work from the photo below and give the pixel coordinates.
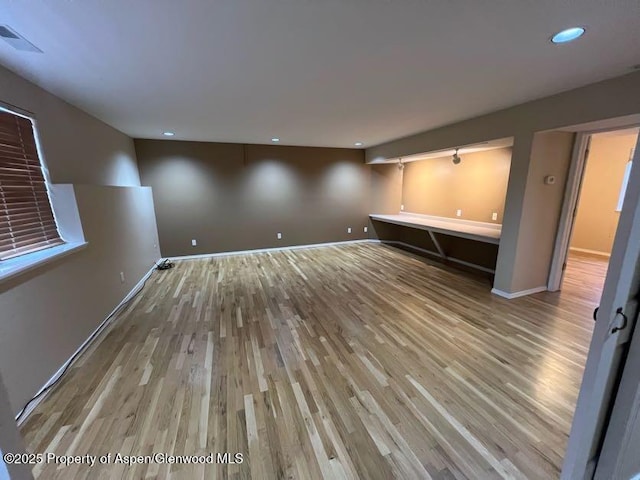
(436, 254)
(265, 250)
(591, 252)
(522, 293)
(90, 339)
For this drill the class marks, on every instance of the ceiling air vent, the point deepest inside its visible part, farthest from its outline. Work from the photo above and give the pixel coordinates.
(16, 41)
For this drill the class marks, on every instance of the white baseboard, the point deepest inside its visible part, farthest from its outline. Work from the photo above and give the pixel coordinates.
(90, 339)
(436, 254)
(591, 252)
(521, 293)
(265, 250)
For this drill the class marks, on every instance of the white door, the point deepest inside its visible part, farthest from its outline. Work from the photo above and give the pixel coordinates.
(610, 341)
(620, 452)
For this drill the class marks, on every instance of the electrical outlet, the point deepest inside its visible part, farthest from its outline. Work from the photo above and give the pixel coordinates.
(121, 277)
(458, 213)
(194, 243)
(279, 236)
(401, 207)
(494, 216)
(349, 230)
(366, 229)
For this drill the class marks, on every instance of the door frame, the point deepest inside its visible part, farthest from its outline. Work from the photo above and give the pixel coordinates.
(575, 176)
(569, 210)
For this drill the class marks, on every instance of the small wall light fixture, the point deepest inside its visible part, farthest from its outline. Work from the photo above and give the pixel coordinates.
(456, 158)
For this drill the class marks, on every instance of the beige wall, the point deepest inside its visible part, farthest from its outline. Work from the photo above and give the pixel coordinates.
(605, 100)
(596, 221)
(386, 188)
(238, 197)
(75, 293)
(477, 186)
(10, 440)
(550, 155)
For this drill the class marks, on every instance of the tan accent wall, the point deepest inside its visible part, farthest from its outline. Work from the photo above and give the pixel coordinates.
(596, 220)
(386, 188)
(231, 197)
(477, 185)
(46, 314)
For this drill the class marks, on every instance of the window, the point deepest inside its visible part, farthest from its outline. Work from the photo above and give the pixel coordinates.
(27, 223)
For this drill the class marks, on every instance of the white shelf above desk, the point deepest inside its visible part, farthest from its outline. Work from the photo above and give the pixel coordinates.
(478, 231)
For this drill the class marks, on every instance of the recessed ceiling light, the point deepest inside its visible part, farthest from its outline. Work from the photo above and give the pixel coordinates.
(275, 139)
(168, 134)
(568, 35)
(358, 144)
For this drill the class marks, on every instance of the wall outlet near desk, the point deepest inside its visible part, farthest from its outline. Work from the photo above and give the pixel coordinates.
(279, 235)
(348, 229)
(458, 213)
(193, 242)
(401, 207)
(121, 277)
(494, 216)
(366, 229)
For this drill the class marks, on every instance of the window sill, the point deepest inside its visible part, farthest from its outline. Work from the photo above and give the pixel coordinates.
(16, 266)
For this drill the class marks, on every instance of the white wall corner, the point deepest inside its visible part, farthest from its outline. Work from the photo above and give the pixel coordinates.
(521, 293)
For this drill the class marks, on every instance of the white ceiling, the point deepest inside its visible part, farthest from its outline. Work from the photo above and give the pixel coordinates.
(312, 72)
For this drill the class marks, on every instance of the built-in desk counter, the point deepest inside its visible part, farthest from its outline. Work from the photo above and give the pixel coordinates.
(477, 231)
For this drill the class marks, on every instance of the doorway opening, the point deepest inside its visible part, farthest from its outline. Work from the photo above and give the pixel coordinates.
(594, 197)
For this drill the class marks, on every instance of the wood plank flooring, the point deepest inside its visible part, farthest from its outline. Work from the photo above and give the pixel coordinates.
(353, 361)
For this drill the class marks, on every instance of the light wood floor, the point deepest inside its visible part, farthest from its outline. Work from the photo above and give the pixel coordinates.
(355, 361)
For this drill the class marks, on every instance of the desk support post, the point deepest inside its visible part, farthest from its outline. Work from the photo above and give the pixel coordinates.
(437, 244)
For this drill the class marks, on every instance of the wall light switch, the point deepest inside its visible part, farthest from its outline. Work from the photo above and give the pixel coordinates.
(458, 213)
(401, 207)
(494, 216)
(279, 236)
(121, 277)
(194, 243)
(366, 229)
(349, 230)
